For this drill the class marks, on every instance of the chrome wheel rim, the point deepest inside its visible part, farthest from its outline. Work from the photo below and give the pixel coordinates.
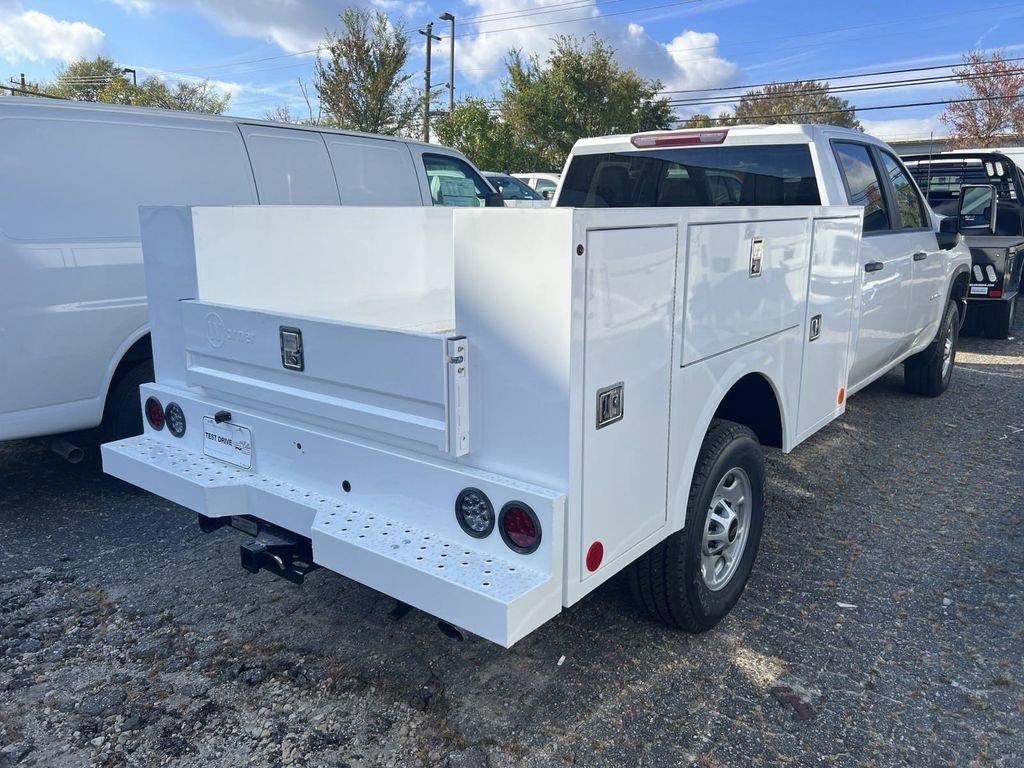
(947, 351)
(726, 527)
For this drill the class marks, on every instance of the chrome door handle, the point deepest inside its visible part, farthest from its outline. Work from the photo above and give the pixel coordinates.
(920, 256)
(873, 266)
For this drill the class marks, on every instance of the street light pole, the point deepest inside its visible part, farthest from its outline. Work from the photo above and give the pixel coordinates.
(126, 70)
(451, 60)
(431, 37)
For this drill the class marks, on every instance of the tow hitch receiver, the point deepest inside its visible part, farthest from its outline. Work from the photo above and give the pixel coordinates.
(273, 549)
(283, 554)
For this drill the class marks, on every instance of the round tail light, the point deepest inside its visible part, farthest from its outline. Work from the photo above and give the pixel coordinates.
(519, 527)
(475, 512)
(154, 413)
(175, 418)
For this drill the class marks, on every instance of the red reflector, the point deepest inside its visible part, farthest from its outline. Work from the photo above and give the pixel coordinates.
(842, 395)
(519, 527)
(995, 293)
(595, 555)
(154, 413)
(680, 139)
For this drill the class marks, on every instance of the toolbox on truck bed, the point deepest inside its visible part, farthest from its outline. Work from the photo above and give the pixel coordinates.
(482, 413)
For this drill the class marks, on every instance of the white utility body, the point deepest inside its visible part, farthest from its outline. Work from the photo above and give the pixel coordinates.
(446, 349)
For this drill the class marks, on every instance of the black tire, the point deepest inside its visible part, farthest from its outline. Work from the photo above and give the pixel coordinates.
(122, 415)
(999, 318)
(924, 374)
(668, 581)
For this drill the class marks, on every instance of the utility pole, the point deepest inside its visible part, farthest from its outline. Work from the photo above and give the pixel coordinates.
(431, 37)
(451, 60)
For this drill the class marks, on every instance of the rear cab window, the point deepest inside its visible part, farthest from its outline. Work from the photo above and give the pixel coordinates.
(453, 182)
(776, 174)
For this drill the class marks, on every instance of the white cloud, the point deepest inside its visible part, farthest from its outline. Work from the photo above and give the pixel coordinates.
(905, 128)
(34, 36)
(296, 25)
(690, 60)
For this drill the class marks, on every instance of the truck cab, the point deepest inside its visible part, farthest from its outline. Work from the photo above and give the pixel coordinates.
(913, 274)
(981, 191)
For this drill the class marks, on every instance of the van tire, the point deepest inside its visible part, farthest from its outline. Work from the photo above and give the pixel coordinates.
(122, 414)
(999, 318)
(925, 373)
(668, 581)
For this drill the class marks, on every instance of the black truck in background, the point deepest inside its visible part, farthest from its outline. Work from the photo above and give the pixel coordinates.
(982, 189)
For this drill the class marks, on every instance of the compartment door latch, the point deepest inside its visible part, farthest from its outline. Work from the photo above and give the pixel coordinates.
(458, 395)
(610, 405)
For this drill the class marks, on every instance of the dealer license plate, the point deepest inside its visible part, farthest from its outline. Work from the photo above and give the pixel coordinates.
(227, 442)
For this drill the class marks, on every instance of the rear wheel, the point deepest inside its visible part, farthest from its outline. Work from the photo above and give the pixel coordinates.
(694, 577)
(930, 370)
(122, 415)
(999, 319)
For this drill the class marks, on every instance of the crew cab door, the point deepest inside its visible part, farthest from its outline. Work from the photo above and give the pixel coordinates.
(928, 271)
(886, 264)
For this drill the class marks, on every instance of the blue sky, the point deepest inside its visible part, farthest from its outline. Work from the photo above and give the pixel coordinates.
(254, 48)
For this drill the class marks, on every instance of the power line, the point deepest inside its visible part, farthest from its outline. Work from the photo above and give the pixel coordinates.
(840, 89)
(907, 105)
(579, 18)
(751, 86)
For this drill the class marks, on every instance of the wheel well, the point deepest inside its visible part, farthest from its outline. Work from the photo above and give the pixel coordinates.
(138, 352)
(752, 402)
(958, 293)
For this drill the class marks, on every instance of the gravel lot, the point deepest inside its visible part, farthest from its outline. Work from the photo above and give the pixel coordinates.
(883, 626)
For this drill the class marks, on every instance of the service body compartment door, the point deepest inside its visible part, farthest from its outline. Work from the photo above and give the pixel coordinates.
(630, 299)
(829, 323)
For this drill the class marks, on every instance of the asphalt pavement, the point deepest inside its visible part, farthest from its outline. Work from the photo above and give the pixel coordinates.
(883, 626)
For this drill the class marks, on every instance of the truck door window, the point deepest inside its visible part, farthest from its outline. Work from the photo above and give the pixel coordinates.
(454, 183)
(908, 201)
(863, 184)
(692, 176)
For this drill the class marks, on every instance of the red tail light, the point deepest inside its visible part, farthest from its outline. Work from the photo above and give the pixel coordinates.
(155, 413)
(678, 139)
(995, 293)
(519, 527)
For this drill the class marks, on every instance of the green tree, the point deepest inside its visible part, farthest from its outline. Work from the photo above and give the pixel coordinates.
(544, 108)
(476, 130)
(997, 112)
(361, 82)
(84, 79)
(701, 120)
(101, 79)
(804, 101)
(579, 91)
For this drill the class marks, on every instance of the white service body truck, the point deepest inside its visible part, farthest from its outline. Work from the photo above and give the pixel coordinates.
(487, 413)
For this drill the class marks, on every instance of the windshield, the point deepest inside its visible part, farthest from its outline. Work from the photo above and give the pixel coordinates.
(692, 176)
(511, 188)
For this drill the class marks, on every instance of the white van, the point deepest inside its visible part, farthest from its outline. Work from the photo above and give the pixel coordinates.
(74, 331)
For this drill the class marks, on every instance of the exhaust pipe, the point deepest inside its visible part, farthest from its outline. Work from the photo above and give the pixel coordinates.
(66, 450)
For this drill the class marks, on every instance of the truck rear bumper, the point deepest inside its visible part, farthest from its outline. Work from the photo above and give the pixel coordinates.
(457, 580)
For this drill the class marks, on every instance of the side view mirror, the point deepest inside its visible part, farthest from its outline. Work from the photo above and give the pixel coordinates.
(547, 194)
(949, 232)
(977, 213)
(494, 200)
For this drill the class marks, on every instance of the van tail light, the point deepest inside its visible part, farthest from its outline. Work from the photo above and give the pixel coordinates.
(995, 293)
(677, 139)
(155, 413)
(519, 527)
